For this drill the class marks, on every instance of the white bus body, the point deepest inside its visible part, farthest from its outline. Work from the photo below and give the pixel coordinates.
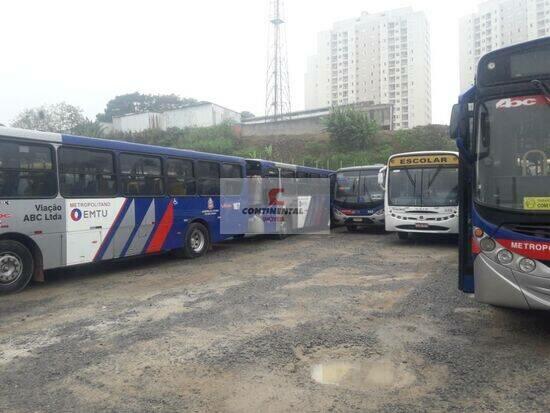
(421, 193)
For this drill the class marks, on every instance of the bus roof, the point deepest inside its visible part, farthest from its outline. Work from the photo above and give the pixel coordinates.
(292, 167)
(423, 153)
(361, 168)
(114, 145)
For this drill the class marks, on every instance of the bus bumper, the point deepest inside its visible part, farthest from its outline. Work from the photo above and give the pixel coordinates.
(499, 285)
(359, 220)
(406, 223)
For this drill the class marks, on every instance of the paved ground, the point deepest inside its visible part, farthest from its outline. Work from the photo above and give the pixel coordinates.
(342, 322)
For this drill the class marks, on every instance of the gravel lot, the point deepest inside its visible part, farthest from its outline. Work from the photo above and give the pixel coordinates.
(312, 323)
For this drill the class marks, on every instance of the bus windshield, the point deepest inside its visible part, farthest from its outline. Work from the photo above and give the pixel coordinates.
(423, 187)
(359, 186)
(513, 146)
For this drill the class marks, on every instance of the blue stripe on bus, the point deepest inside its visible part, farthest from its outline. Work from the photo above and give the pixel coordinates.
(141, 206)
(114, 228)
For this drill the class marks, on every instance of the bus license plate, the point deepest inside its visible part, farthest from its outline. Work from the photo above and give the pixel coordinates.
(421, 226)
(357, 219)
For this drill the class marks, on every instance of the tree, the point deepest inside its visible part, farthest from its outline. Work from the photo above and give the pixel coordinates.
(137, 102)
(350, 129)
(247, 115)
(89, 128)
(423, 138)
(60, 117)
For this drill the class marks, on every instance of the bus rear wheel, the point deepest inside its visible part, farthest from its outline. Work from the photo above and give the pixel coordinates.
(16, 266)
(197, 241)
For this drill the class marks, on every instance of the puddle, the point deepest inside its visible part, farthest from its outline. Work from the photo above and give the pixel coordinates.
(380, 373)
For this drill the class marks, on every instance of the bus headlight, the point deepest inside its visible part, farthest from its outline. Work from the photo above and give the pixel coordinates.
(527, 265)
(487, 244)
(380, 212)
(505, 257)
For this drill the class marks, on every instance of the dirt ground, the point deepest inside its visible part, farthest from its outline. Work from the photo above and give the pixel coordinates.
(313, 323)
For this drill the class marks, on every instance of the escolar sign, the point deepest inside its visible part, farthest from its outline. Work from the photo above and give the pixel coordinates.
(423, 160)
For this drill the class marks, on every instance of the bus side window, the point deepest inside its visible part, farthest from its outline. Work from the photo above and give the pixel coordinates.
(208, 178)
(180, 177)
(141, 175)
(86, 173)
(235, 172)
(26, 171)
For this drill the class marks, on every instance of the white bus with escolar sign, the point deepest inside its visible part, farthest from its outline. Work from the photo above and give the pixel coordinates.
(421, 191)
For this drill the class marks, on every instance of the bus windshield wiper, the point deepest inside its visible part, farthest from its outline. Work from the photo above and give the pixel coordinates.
(413, 182)
(430, 183)
(544, 88)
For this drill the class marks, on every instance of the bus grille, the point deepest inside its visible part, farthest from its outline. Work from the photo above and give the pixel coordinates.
(430, 228)
(541, 231)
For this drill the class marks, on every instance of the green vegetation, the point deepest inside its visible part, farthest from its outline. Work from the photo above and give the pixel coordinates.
(350, 129)
(350, 139)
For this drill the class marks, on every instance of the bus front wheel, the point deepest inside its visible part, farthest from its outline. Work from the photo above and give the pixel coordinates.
(16, 266)
(197, 241)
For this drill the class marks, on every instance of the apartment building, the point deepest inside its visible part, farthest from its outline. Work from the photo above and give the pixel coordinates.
(496, 24)
(382, 58)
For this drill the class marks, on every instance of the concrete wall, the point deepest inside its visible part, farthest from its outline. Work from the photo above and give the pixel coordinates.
(138, 122)
(199, 116)
(202, 115)
(307, 123)
(307, 126)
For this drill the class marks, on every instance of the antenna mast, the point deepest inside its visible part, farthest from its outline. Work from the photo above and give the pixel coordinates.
(277, 105)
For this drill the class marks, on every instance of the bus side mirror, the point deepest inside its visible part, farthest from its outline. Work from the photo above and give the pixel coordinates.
(382, 178)
(456, 121)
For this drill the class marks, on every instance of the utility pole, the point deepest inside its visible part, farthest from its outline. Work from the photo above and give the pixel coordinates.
(277, 104)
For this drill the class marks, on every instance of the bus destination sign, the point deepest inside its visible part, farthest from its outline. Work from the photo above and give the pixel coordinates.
(416, 161)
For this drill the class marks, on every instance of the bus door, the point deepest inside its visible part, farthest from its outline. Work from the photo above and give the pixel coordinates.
(465, 186)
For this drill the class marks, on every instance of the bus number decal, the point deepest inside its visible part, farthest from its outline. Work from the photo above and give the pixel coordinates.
(511, 103)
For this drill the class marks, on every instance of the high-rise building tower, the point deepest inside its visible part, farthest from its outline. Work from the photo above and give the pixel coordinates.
(277, 105)
(382, 58)
(496, 24)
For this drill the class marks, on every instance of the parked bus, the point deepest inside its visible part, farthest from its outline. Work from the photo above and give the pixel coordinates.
(421, 193)
(69, 200)
(300, 176)
(502, 129)
(358, 197)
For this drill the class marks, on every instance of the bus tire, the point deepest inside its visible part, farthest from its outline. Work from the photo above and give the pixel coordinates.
(403, 236)
(197, 241)
(16, 266)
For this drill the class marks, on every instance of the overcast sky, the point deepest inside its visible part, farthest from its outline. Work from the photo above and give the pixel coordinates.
(86, 52)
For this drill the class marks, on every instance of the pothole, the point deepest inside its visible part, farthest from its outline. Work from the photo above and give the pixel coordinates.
(374, 373)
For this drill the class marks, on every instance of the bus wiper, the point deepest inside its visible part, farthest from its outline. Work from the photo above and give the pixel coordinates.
(439, 168)
(544, 88)
(413, 182)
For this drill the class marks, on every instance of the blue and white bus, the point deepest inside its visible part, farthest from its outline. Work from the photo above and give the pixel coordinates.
(358, 198)
(69, 200)
(502, 129)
